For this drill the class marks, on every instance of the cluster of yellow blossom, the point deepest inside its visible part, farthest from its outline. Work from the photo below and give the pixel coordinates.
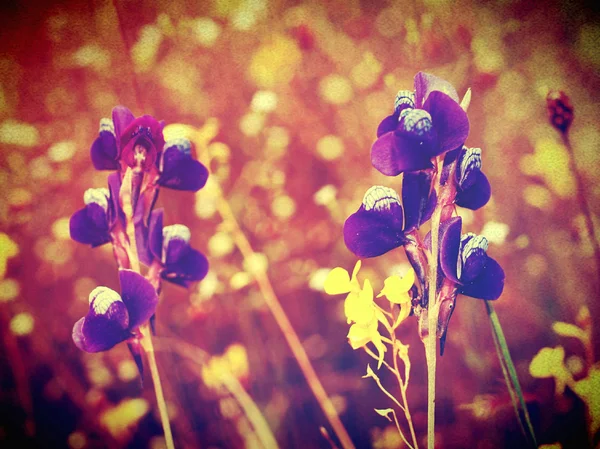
(362, 311)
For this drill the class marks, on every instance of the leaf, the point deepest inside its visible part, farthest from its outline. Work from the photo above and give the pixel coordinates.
(568, 330)
(385, 412)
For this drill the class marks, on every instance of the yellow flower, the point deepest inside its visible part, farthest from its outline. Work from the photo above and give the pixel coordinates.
(549, 362)
(359, 308)
(587, 389)
(396, 290)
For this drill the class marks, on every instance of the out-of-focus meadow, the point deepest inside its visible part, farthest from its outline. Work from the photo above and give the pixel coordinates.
(287, 97)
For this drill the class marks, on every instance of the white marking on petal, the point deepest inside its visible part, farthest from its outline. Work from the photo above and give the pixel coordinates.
(181, 143)
(106, 124)
(417, 121)
(98, 196)
(473, 243)
(404, 99)
(101, 298)
(470, 161)
(380, 198)
(175, 232)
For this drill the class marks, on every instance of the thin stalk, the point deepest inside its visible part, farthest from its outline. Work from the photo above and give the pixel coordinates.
(403, 384)
(582, 199)
(146, 342)
(432, 316)
(499, 334)
(285, 325)
(230, 382)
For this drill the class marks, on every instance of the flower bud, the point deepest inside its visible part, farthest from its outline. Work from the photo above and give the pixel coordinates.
(560, 110)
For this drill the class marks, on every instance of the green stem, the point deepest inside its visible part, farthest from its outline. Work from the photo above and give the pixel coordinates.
(507, 360)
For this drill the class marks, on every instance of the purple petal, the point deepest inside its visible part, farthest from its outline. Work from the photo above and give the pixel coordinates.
(450, 247)
(182, 172)
(141, 242)
(472, 267)
(104, 152)
(477, 195)
(176, 248)
(425, 84)
(191, 266)
(449, 158)
(99, 332)
(90, 226)
(122, 117)
(449, 121)
(139, 296)
(488, 285)
(388, 124)
(155, 233)
(416, 187)
(376, 227)
(394, 153)
(114, 187)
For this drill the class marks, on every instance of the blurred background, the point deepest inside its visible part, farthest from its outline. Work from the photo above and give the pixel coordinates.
(287, 96)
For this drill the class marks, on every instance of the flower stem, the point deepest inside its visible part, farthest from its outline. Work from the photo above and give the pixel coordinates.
(160, 398)
(285, 325)
(582, 199)
(231, 383)
(403, 385)
(432, 315)
(507, 360)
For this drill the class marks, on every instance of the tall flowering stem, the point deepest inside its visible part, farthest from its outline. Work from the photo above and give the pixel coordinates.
(281, 318)
(561, 116)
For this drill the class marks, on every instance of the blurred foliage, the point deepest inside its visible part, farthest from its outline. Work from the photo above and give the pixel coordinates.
(287, 97)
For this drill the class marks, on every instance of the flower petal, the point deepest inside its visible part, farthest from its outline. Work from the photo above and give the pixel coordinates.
(394, 153)
(396, 289)
(416, 187)
(104, 151)
(179, 170)
(388, 124)
(139, 296)
(488, 285)
(155, 233)
(121, 117)
(449, 121)
(376, 227)
(145, 131)
(425, 84)
(90, 226)
(191, 266)
(115, 210)
(337, 282)
(450, 246)
(101, 331)
(358, 336)
(477, 195)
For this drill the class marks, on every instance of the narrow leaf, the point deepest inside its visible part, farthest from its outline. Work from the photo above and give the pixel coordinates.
(507, 360)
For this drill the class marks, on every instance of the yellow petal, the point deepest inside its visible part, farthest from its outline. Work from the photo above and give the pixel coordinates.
(546, 362)
(358, 336)
(396, 289)
(356, 269)
(405, 309)
(337, 282)
(359, 310)
(376, 339)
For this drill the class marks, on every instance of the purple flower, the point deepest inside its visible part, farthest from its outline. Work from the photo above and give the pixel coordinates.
(92, 224)
(169, 246)
(113, 318)
(424, 124)
(473, 189)
(377, 226)
(418, 198)
(126, 141)
(178, 170)
(463, 260)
